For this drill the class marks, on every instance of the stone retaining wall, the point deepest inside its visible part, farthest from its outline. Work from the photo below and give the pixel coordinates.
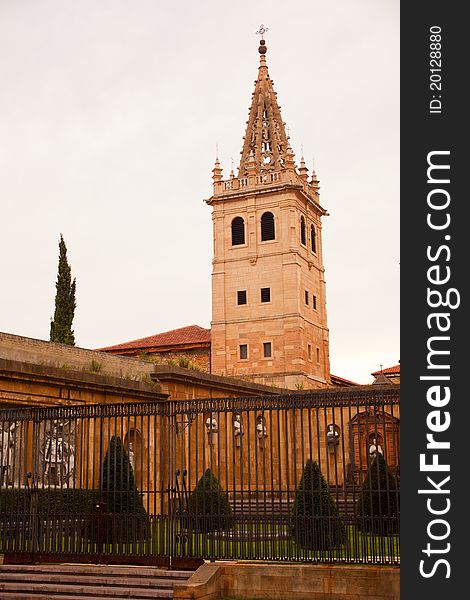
(290, 582)
(52, 354)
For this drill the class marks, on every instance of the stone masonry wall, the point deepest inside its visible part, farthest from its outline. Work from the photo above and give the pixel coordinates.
(40, 352)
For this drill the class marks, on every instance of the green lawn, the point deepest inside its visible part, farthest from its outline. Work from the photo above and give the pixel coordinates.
(249, 541)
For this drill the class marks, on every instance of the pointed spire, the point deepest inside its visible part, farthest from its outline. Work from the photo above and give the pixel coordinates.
(217, 171)
(314, 180)
(289, 162)
(265, 142)
(303, 169)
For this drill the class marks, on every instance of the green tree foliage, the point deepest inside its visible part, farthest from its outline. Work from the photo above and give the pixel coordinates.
(126, 518)
(377, 508)
(209, 507)
(65, 304)
(316, 524)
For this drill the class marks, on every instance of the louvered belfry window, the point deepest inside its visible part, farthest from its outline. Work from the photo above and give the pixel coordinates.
(267, 227)
(238, 231)
(313, 238)
(302, 231)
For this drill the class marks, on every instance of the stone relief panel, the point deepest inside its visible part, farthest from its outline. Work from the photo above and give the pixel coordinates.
(56, 460)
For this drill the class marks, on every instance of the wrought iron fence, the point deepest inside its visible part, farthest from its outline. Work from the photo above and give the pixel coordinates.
(301, 477)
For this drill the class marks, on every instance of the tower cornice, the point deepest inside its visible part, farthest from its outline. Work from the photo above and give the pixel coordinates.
(232, 191)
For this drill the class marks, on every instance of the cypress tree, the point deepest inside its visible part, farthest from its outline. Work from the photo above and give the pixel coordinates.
(377, 509)
(65, 304)
(127, 518)
(316, 524)
(209, 507)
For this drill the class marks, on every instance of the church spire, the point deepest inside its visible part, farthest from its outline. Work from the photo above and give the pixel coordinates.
(265, 146)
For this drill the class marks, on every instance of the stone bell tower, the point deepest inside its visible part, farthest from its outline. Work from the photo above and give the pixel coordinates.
(268, 286)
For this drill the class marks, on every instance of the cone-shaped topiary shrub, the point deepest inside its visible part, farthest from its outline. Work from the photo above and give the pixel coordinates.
(209, 508)
(377, 508)
(125, 518)
(316, 524)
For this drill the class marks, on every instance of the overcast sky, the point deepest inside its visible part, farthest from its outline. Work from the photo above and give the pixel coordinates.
(110, 112)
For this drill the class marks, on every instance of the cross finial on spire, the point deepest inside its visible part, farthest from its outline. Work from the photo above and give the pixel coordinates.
(262, 44)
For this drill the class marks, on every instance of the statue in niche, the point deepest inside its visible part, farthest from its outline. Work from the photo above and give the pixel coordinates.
(211, 424)
(8, 435)
(375, 448)
(212, 427)
(261, 430)
(332, 438)
(131, 455)
(237, 429)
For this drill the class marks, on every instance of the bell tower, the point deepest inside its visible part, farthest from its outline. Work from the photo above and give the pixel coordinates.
(268, 286)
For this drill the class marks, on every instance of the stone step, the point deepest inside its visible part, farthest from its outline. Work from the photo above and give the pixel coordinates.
(87, 579)
(22, 596)
(78, 568)
(87, 582)
(251, 506)
(83, 591)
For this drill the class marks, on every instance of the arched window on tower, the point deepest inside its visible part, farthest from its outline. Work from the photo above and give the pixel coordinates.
(238, 231)
(267, 227)
(313, 238)
(303, 236)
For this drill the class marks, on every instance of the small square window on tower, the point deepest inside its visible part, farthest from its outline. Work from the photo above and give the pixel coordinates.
(318, 355)
(306, 297)
(309, 351)
(265, 294)
(315, 302)
(241, 297)
(267, 349)
(243, 351)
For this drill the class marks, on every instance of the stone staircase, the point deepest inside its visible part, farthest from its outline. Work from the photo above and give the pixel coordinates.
(87, 582)
(253, 507)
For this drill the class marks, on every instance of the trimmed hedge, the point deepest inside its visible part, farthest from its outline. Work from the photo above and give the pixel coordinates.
(377, 508)
(71, 501)
(209, 507)
(123, 516)
(316, 524)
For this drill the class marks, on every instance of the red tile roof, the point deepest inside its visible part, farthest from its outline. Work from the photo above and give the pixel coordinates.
(341, 380)
(389, 371)
(192, 334)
